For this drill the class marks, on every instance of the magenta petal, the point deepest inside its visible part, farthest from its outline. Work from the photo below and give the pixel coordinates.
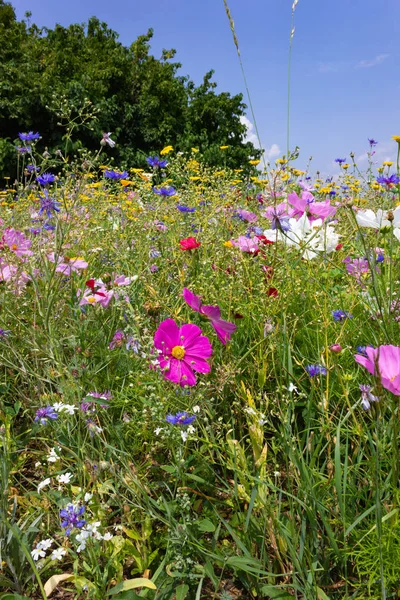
(298, 203)
(197, 364)
(180, 372)
(187, 334)
(392, 386)
(389, 361)
(223, 329)
(200, 348)
(167, 335)
(211, 312)
(191, 299)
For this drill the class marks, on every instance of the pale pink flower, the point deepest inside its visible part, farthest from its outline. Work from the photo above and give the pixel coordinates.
(16, 242)
(383, 362)
(223, 329)
(306, 204)
(66, 265)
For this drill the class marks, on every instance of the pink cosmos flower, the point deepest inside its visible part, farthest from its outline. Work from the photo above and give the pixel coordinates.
(246, 215)
(122, 280)
(223, 329)
(67, 265)
(101, 296)
(306, 204)
(7, 271)
(182, 350)
(245, 244)
(17, 243)
(383, 362)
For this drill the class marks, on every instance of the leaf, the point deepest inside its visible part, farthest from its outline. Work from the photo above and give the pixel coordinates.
(131, 584)
(181, 591)
(206, 525)
(10, 596)
(274, 592)
(53, 582)
(322, 595)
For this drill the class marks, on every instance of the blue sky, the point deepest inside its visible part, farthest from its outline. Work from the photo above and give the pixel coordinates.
(345, 62)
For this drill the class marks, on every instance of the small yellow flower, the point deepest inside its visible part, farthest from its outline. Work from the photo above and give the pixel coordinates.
(219, 173)
(387, 163)
(228, 244)
(195, 149)
(345, 166)
(223, 147)
(380, 169)
(238, 170)
(280, 161)
(136, 170)
(194, 178)
(396, 138)
(125, 182)
(254, 162)
(166, 150)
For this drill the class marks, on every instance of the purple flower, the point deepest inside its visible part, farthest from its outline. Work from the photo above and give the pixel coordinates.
(153, 268)
(372, 142)
(4, 333)
(48, 205)
(341, 315)
(279, 217)
(367, 397)
(71, 517)
(42, 414)
(118, 339)
(107, 140)
(340, 161)
(185, 209)
(388, 180)
(28, 137)
(109, 174)
(314, 370)
(23, 149)
(45, 178)
(181, 418)
(164, 191)
(155, 162)
(32, 169)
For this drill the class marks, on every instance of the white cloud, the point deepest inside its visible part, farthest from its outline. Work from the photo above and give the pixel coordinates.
(250, 135)
(367, 64)
(383, 151)
(272, 152)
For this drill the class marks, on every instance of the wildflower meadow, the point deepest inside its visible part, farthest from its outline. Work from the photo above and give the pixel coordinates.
(200, 376)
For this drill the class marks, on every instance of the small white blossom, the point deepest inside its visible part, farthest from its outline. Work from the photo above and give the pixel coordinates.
(191, 429)
(58, 553)
(196, 409)
(88, 497)
(69, 409)
(52, 456)
(64, 478)
(58, 406)
(43, 484)
(184, 435)
(38, 464)
(107, 536)
(38, 553)
(158, 430)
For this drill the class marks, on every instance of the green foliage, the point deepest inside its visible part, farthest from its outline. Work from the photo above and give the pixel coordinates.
(143, 100)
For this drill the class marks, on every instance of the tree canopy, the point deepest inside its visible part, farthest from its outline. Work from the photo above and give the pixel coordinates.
(143, 100)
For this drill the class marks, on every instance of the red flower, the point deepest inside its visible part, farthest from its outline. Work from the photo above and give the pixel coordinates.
(189, 243)
(272, 292)
(339, 247)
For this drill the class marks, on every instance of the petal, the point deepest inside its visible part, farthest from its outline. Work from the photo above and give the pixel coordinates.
(389, 361)
(197, 364)
(167, 335)
(365, 362)
(212, 312)
(180, 372)
(199, 348)
(223, 329)
(191, 299)
(392, 386)
(187, 334)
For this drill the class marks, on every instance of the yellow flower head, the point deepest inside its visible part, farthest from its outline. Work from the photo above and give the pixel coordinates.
(345, 166)
(166, 150)
(387, 163)
(228, 244)
(396, 138)
(195, 149)
(223, 147)
(254, 162)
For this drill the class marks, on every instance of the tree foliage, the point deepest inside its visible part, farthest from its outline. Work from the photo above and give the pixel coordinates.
(143, 100)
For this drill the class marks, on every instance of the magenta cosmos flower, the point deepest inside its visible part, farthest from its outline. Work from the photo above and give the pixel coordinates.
(17, 243)
(306, 204)
(182, 350)
(223, 329)
(383, 362)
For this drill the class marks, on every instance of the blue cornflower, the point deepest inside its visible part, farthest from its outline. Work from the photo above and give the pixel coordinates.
(314, 370)
(28, 137)
(388, 180)
(32, 169)
(363, 350)
(380, 257)
(341, 315)
(181, 418)
(340, 161)
(109, 174)
(48, 227)
(4, 333)
(23, 149)
(45, 178)
(154, 161)
(185, 209)
(42, 414)
(48, 205)
(163, 191)
(154, 253)
(71, 517)
(279, 220)
(367, 397)
(372, 142)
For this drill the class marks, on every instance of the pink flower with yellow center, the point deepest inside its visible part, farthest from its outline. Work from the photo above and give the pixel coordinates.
(17, 243)
(181, 351)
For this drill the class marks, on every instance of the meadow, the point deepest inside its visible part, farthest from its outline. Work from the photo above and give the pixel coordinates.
(200, 372)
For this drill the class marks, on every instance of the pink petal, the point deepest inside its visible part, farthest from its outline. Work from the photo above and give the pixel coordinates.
(389, 361)
(191, 299)
(366, 362)
(167, 335)
(200, 348)
(180, 372)
(211, 312)
(188, 334)
(197, 364)
(223, 329)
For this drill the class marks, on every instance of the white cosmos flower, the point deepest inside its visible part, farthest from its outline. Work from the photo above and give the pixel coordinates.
(367, 218)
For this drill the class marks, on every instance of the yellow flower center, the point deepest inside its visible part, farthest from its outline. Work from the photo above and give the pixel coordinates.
(178, 352)
(14, 247)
